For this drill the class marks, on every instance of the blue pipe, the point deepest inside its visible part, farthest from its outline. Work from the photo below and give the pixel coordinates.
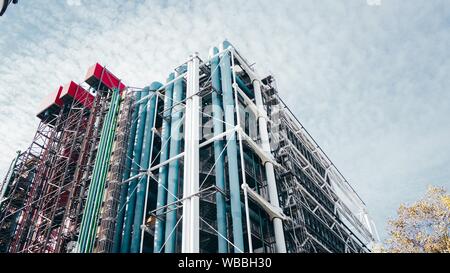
(232, 150)
(125, 175)
(173, 176)
(145, 162)
(162, 178)
(90, 211)
(218, 155)
(126, 240)
(244, 87)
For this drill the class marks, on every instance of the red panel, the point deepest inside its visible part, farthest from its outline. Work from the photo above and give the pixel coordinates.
(74, 91)
(98, 74)
(51, 103)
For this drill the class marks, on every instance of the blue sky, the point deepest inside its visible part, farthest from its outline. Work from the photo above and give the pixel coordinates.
(370, 82)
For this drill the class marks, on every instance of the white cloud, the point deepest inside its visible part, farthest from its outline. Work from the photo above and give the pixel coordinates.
(370, 83)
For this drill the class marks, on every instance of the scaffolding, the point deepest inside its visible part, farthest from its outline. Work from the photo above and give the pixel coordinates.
(81, 180)
(68, 136)
(16, 186)
(320, 218)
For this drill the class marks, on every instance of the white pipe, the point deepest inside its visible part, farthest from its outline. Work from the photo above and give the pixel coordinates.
(244, 181)
(270, 174)
(186, 216)
(191, 211)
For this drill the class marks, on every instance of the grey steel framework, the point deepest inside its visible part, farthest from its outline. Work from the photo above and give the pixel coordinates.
(211, 161)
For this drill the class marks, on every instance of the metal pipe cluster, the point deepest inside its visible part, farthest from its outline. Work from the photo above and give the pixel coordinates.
(94, 200)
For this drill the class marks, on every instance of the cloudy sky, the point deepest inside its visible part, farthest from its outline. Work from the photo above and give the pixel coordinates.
(370, 82)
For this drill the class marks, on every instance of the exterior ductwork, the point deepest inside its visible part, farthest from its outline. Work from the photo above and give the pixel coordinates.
(174, 166)
(95, 195)
(218, 155)
(163, 171)
(232, 149)
(146, 156)
(135, 169)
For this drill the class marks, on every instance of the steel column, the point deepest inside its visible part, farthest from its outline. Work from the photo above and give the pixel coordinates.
(191, 211)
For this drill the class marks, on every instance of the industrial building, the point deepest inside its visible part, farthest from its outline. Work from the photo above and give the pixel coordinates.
(211, 161)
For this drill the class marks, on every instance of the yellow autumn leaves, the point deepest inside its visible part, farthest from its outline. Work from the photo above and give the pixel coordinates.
(423, 227)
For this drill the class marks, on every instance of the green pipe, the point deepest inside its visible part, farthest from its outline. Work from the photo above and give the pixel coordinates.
(95, 184)
(126, 174)
(162, 178)
(218, 155)
(101, 188)
(96, 172)
(139, 212)
(91, 192)
(129, 219)
(89, 225)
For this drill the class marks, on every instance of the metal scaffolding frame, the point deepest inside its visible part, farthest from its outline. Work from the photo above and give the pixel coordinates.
(81, 179)
(47, 219)
(48, 135)
(321, 219)
(51, 213)
(53, 181)
(18, 188)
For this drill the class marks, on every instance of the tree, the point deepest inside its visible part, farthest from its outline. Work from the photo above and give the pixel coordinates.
(423, 227)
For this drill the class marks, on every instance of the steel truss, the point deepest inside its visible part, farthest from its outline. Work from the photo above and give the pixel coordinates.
(37, 187)
(67, 234)
(321, 219)
(51, 212)
(17, 194)
(37, 234)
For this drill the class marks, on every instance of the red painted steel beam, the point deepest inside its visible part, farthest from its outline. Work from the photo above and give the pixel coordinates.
(51, 104)
(73, 91)
(100, 77)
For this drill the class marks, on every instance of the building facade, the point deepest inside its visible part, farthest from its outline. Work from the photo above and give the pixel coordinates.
(210, 161)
